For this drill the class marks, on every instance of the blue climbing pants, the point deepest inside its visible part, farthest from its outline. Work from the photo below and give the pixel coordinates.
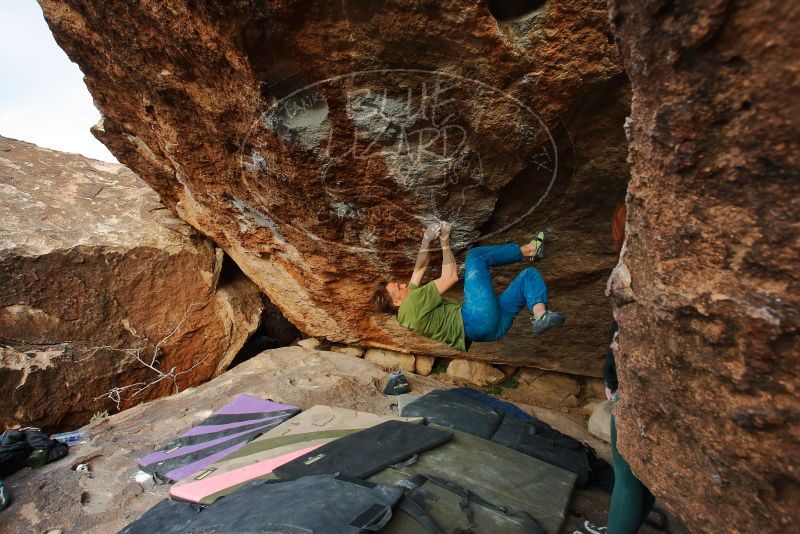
(488, 317)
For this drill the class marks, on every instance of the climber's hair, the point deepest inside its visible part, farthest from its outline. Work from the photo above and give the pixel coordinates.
(382, 300)
(618, 226)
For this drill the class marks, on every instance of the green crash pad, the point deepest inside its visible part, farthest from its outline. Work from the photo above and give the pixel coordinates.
(308, 430)
(502, 476)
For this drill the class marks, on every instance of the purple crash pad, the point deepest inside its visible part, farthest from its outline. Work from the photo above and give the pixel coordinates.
(227, 430)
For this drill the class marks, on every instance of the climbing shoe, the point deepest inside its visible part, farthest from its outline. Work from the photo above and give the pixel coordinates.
(397, 384)
(538, 240)
(5, 498)
(587, 527)
(548, 320)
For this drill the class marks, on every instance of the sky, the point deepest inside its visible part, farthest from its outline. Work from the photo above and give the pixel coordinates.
(43, 99)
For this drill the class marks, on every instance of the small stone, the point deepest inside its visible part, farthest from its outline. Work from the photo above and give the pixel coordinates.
(349, 350)
(132, 489)
(309, 343)
(475, 372)
(424, 364)
(391, 360)
(600, 421)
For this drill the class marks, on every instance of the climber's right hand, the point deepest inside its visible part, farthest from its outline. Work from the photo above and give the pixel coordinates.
(432, 231)
(444, 235)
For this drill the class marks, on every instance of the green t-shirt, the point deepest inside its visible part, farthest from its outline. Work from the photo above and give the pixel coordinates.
(427, 313)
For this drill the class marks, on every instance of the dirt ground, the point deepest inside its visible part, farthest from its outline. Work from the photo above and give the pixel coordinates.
(58, 499)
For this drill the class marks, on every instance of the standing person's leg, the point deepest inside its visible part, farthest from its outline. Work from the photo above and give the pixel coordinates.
(481, 311)
(529, 290)
(628, 496)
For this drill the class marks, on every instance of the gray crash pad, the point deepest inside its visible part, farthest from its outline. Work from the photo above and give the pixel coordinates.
(496, 474)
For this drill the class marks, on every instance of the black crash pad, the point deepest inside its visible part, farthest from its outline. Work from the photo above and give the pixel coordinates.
(366, 452)
(447, 408)
(320, 503)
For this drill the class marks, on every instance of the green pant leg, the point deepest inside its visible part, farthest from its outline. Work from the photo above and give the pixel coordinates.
(629, 497)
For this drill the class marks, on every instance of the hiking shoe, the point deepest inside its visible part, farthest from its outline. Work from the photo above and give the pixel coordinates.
(548, 320)
(587, 527)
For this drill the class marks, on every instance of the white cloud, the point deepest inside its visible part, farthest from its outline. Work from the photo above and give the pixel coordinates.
(43, 99)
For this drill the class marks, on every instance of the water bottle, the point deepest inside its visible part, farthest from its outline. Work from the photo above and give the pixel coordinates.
(76, 437)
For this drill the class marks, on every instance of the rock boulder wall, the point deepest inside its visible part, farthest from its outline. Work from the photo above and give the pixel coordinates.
(313, 140)
(106, 298)
(707, 295)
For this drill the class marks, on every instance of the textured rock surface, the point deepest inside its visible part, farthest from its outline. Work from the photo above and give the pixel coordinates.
(103, 501)
(390, 359)
(550, 389)
(309, 343)
(474, 372)
(708, 300)
(508, 370)
(600, 421)
(348, 350)
(498, 124)
(94, 271)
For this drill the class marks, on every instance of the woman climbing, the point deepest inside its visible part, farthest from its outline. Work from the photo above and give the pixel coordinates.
(483, 316)
(631, 501)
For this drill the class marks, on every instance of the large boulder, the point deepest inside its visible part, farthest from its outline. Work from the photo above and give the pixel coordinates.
(313, 140)
(106, 299)
(707, 295)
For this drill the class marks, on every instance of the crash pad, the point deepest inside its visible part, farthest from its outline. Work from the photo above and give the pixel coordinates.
(482, 415)
(496, 474)
(447, 408)
(547, 444)
(224, 432)
(444, 504)
(303, 433)
(321, 503)
(506, 408)
(166, 516)
(366, 452)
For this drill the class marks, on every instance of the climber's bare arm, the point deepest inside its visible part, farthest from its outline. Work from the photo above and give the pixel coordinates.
(424, 256)
(449, 269)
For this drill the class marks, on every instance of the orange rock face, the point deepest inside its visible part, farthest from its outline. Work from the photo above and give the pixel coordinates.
(313, 140)
(707, 294)
(106, 299)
